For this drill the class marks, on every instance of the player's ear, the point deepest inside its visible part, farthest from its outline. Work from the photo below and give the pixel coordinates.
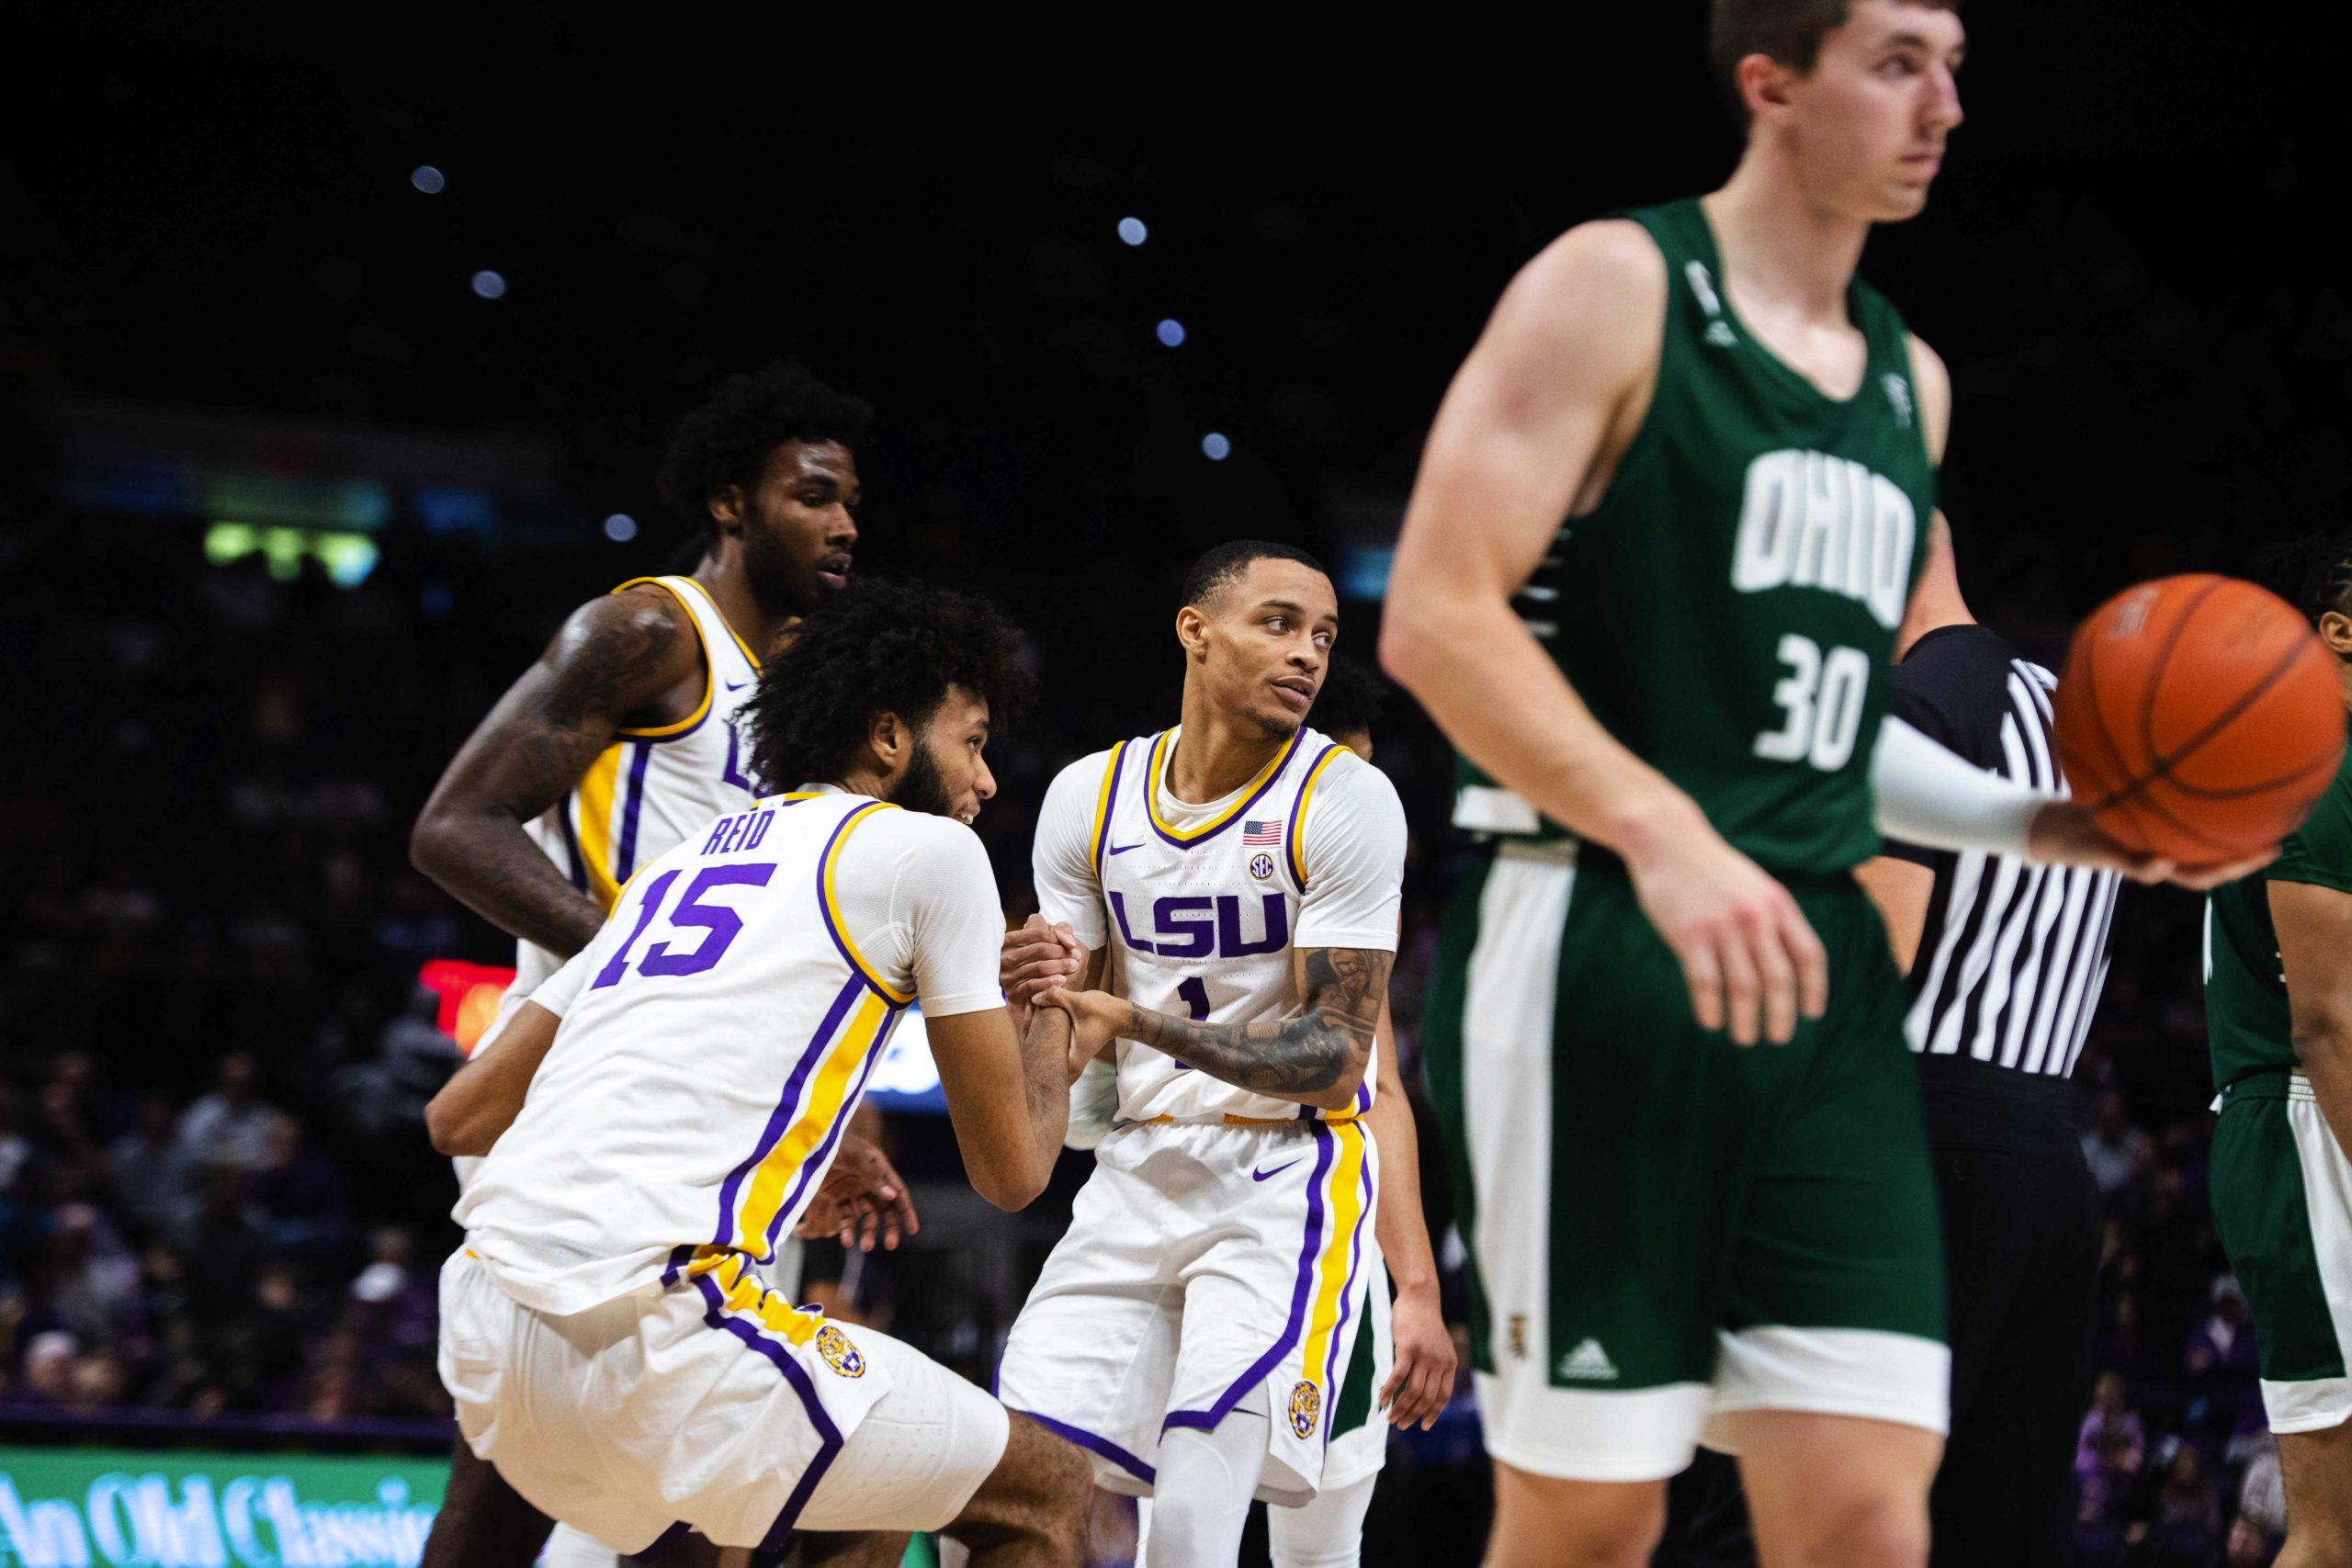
(1192, 631)
(726, 505)
(2336, 630)
(889, 737)
(1762, 84)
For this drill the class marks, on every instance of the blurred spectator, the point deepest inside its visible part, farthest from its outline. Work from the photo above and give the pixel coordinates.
(2223, 1371)
(2115, 1150)
(2186, 1529)
(2260, 1529)
(230, 1126)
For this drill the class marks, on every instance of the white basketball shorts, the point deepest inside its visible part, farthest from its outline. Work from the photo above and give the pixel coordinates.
(714, 1406)
(1203, 1263)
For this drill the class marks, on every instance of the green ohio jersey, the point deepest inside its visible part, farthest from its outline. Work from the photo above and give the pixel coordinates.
(1729, 610)
(2245, 990)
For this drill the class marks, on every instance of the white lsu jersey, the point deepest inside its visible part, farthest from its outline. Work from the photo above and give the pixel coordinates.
(717, 1035)
(652, 787)
(1201, 905)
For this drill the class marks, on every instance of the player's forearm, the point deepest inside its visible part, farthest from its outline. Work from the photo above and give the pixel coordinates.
(1316, 1058)
(1398, 1222)
(1045, 1081)
(1455, 651)
(1927, 794)
(2324, 1047)
(486, 861)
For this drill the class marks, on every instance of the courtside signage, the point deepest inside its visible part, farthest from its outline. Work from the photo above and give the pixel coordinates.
(124, 1509)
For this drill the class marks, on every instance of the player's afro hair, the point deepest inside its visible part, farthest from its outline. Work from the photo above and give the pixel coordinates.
(1352, 697)
(727, 439)
(1222, 563)
(878, 646)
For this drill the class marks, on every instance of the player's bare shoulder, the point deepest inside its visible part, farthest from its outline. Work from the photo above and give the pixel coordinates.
(1934, 382)
(622, 650)
(1599, 289)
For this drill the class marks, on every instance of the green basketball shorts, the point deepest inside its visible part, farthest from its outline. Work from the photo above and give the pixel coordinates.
(2282, 1197)
(1665, 1227)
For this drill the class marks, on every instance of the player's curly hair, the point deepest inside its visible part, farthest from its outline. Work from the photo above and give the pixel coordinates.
(1352, 697)
(878, 646)
(727, 439)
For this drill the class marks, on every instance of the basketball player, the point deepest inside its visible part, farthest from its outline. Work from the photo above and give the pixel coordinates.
(1402, 1366)
(621, 738)
(611, 1349)
(1673, 707)
(1235, 879)
(2279, 1008)
(2004, 963)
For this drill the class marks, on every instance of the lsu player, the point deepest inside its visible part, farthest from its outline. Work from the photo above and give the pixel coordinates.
(1402, 1367)
(611, 1347)
(621, 738)
(1235, 881)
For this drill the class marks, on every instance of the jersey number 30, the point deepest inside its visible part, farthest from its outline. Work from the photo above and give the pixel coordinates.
(1821, 698)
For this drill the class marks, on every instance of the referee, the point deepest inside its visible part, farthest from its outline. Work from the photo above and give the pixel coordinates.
(2006, 960)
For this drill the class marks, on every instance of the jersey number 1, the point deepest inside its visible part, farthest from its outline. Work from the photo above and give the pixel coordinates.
(1822, 697)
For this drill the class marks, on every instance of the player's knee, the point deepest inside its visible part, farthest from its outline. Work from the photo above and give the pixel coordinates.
(1885, 1530)
(1569, 1524)
(1038, 1493)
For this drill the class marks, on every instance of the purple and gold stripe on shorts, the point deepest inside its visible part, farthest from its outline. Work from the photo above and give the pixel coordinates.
(1338, 1198)
(734, 1302)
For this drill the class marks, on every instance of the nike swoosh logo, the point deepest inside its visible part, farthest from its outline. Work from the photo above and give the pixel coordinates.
(1264, 1175)
(736, 685)
(1122, 849)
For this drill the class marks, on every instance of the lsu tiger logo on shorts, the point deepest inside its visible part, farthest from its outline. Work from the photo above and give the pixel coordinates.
(839, 1352)
(1306, 1408)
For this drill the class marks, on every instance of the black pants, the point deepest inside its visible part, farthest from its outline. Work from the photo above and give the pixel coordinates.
(2021, 1240)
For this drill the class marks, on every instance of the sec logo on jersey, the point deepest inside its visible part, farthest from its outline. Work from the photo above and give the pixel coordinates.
(1261, 866)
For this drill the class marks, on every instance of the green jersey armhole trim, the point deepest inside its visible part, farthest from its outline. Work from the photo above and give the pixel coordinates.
(1637, 453)
(2310, 876)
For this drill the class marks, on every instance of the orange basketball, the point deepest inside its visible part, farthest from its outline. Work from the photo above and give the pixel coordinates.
(2198, 717)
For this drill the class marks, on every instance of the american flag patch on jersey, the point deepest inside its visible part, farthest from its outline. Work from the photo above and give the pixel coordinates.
(1262, 832)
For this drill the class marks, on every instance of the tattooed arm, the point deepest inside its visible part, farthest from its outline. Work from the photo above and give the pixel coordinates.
(1316, 1058)
(622, 657)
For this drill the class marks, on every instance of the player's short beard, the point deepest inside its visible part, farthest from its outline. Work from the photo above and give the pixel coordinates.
(782, 587)
(922, 787)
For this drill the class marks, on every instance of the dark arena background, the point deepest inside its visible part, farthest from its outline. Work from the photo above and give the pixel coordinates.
(336, 370)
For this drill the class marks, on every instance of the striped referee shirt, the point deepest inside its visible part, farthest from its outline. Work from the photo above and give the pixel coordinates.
(2013, 955)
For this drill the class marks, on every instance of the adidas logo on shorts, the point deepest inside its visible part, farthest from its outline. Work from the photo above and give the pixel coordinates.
(1588, 1362)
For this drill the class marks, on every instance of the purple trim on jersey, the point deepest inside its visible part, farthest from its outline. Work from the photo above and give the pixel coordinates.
(1348, 1292)
(1110, 805)
(781, 1117)
(1101, 1445)
(578, 870)
(662, 1543)
(1151, 782)
(825, 909)
(626, 860)
(1292, 855)
(829, 1435)
(1206, 1420)
(824, 1153)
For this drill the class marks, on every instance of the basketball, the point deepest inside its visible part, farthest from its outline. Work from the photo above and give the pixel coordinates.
(2197, 717)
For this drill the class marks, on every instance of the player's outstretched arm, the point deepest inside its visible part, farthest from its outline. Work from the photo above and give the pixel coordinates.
(483, 1098)
(1315, 1059)
(615, 657)
(1008, 1097)
(2314, 927)
(1555, 388)
(1421, 1379)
